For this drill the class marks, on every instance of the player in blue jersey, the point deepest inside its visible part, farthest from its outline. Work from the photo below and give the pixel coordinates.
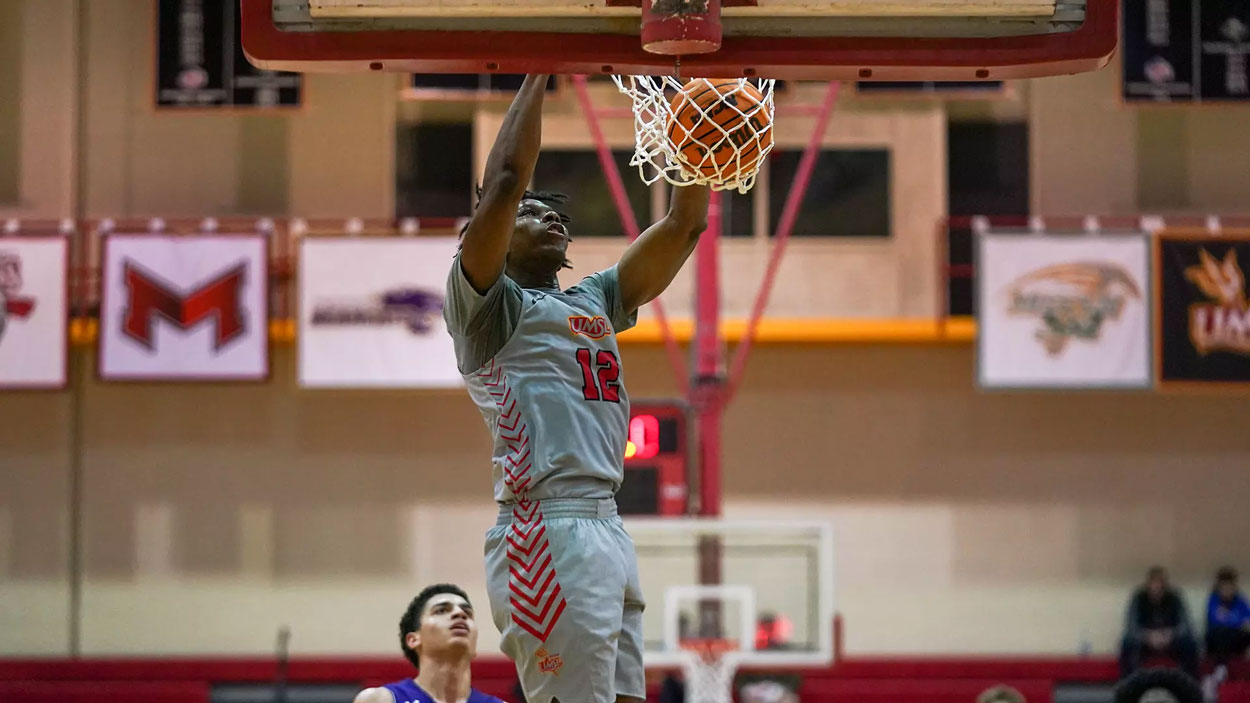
(438, 634)
(542, 364)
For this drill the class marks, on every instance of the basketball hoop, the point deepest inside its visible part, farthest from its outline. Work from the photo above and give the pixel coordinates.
(669, 148)
(709, 666)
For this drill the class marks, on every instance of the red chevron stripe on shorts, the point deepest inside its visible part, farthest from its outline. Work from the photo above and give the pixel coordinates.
(537, 599)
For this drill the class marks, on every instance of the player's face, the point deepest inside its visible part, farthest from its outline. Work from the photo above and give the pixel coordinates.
(447, 626)
(1157, 586)
(1228, 589)
(539, 238)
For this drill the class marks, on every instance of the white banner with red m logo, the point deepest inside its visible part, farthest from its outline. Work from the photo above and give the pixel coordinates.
(184, 308)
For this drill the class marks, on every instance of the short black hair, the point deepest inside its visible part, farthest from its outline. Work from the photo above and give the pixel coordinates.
(550, 198)
(1157, 572)
(411, 621)
(1226, 574)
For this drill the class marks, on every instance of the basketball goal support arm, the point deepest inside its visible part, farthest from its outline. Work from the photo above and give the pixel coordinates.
(626, 213)
(789, 215)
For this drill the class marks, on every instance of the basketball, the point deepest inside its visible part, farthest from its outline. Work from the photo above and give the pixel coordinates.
(719, 128)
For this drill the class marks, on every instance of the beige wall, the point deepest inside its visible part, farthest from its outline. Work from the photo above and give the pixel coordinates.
(966, 521)
(1093, 154)
(10, 108)
(859, 277)
(333, 158)
(41, 69)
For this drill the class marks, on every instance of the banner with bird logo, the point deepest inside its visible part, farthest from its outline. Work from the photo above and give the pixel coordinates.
(1063, 310)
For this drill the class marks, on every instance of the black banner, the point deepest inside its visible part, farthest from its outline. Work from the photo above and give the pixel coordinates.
(1204, 318)
(200, 61)
(1185, 50)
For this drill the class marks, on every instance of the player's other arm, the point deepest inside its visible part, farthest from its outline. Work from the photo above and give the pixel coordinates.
(508, 171)
(653, 260)
(374, 695)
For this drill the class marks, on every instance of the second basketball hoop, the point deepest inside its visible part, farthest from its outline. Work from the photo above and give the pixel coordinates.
(713, 132)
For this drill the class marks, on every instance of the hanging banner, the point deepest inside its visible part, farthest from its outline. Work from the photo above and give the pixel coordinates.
(1063, 311)
(184, 308)
(34, 312)
(1185, 51)
(1204, 317)
(200, 61)
(371, 313)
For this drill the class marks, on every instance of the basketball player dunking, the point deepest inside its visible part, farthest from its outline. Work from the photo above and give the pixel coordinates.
(542, 365)
(439, 636)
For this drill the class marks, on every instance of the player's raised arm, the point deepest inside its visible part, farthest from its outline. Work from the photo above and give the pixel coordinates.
(653, 260)
(508, 171)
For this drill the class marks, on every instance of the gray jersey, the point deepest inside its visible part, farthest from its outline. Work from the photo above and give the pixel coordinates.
(544, 369)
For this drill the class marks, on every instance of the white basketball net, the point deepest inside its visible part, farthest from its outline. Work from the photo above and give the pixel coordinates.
(657, 156)
(709, 674)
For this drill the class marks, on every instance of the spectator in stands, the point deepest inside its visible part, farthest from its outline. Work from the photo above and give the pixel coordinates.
(1228, 619)
(1158, 624)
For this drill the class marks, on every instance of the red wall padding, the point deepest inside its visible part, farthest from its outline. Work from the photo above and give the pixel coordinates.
(1235, 692)
(915, 690)
(102, 692)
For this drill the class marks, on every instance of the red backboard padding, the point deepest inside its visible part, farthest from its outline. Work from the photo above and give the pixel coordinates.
(880, 58)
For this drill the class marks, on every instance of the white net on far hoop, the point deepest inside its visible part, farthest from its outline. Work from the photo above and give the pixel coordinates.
(709, 668)
(658, 155)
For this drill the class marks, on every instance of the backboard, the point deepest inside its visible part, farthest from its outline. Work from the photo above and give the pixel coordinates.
(793, 39)
(765, 587)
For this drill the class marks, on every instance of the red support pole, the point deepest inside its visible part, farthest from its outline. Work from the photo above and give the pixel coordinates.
(943, 273)
(789, 215)
(707, 396)
(707, 389)
(628, 222)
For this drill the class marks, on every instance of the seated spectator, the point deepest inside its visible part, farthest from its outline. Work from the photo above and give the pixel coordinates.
(1158, 624)
(1228, 619)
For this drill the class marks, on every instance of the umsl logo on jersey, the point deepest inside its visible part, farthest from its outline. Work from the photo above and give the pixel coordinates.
(548, 663)
(1222, 323)
(596, 327)
(217, 300)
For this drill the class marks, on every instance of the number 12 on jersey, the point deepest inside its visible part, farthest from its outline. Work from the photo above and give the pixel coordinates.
(599, 380)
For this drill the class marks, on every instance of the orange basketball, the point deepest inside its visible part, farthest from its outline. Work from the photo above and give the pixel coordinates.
(720, 127)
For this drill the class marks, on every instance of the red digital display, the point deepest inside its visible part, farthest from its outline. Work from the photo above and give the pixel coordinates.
(657, 454)
(644, 437)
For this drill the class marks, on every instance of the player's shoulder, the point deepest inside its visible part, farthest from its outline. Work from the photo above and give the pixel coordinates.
(380, 694)
(596, 284)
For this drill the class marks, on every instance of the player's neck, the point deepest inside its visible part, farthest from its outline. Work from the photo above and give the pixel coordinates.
(531, 279)
(446, 681)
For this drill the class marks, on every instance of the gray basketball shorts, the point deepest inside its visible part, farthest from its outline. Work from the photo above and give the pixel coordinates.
(563, 583)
